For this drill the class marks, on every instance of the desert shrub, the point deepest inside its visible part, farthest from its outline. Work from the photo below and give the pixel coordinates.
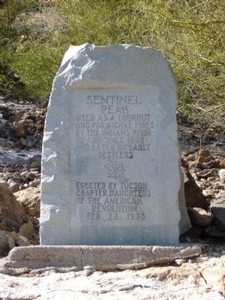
(190, 34)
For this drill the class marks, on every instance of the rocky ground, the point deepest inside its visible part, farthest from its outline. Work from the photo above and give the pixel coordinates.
(185, 280)
(203, 165)
(21, 129)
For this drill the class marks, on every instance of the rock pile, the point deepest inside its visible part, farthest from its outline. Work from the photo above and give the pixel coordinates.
(205, 193)
(21, 129)
(21, 126)
(16, 226)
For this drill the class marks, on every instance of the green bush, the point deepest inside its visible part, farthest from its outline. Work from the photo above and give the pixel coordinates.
(190, 34)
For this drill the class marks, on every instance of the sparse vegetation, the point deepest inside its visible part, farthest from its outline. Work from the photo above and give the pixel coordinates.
(191, 34)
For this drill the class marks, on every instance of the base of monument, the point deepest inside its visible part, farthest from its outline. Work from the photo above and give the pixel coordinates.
(101, 258)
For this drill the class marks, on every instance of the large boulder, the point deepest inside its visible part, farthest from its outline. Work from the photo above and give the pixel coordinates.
(12, 214)
(30, 199)
(15, 225)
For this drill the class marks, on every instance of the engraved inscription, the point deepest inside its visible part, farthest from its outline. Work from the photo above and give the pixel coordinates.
(113, 201)
(114, 137)
(114, 132)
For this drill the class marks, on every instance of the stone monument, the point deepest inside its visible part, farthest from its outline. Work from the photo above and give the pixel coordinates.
(111, 163)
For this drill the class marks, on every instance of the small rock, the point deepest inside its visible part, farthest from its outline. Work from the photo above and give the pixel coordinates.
(30, 199)
(14, 188)
(192, 235)
(180, 261)
(200, 217)
(32, 211)
(21, 143)
(27, 230)
(24, 174)
(35, 161)
(34, 183)
(206, 173)
(218, 211)
(3, 142)
(222, 163)
(4, 245)
(11, 241)
(22, 241)
(204, 156)
(199, 158)
(220, 198)
(21, 128)
(217, 207)
(214, 233)
(88, 270)
(10, 181)
(30, 176)
(208, 193)
(193, 194)
(222, 175)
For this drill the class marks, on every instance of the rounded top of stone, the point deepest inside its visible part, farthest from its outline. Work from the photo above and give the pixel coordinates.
(75, 50)
(122, 65)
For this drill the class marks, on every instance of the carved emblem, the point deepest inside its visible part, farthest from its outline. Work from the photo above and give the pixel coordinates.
(116, 171)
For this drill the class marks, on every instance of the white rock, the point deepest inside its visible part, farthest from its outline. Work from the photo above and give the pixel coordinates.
(222, 175)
